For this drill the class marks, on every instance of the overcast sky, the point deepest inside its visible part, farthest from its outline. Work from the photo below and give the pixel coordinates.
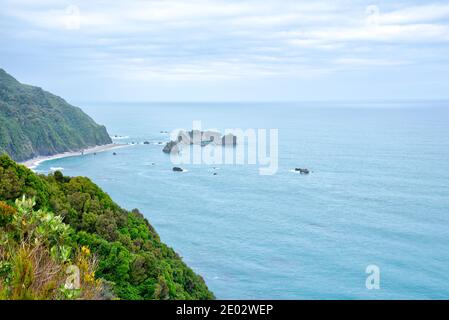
(198, 50)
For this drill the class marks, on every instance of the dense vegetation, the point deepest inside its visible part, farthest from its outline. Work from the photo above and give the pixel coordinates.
(36, 260)
(34, 122)
(130, 257)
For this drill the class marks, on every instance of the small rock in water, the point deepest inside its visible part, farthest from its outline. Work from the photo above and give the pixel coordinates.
(215, 174)
(178, 169)
(302, 171)
(146, 142)
(114, 154)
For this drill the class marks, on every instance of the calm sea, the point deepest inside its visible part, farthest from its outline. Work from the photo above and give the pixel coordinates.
(378, 195)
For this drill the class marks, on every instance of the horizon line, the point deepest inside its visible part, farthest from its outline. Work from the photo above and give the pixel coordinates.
(370, 100)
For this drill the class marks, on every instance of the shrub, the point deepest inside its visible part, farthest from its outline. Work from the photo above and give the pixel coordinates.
(6, 213)
(35, 255)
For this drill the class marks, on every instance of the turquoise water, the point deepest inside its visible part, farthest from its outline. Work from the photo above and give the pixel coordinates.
(378, 194)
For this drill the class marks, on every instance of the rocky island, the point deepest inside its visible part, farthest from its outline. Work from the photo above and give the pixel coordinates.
(197, 137)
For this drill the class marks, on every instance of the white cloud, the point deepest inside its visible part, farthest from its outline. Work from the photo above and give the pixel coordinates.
(370, 62)
(416, 14)
(227, 39)
(401, 33)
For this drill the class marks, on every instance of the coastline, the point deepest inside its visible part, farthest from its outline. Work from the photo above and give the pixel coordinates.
(33, 163)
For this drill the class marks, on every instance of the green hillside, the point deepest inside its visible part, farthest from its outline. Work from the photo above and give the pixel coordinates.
(74, 222)
(34, 122)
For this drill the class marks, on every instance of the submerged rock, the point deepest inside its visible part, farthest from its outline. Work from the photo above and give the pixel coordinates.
(146, 142)
(302, 171)
(178, 169)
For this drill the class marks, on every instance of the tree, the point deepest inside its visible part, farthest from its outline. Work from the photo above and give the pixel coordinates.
(58, 176)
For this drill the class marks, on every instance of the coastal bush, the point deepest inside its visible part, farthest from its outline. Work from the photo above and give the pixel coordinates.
(35, 254)
(6, 214)
(130, 257)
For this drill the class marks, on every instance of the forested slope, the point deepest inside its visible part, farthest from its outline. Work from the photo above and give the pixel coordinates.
(34, 122)
(129, 256)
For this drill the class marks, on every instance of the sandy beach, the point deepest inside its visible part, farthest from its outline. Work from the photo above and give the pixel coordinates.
(33, 163)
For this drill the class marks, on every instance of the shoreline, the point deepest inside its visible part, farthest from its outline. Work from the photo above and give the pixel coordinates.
(33, 163)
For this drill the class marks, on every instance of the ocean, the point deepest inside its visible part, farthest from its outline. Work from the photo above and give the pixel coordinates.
(377, 195)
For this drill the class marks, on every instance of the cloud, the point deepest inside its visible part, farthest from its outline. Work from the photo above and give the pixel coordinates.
(201, 39)
(416, 33)
(416, 14)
